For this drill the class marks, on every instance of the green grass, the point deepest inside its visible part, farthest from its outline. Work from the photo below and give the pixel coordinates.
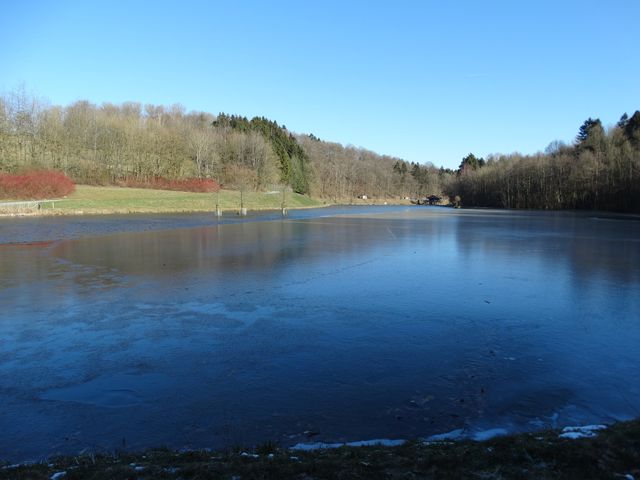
(88, 199)
(613, 454)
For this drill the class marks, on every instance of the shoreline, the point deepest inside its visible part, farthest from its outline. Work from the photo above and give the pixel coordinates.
(96, 200)
(572, 452)
(228, 211)
(128, 211)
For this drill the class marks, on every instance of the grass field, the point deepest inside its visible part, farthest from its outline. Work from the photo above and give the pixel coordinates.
(106, 200)
(95, 200)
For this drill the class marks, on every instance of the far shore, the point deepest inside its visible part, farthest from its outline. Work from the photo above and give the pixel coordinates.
(92, 200)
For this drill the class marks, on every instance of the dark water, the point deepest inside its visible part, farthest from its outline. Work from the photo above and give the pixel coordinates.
(399, 323)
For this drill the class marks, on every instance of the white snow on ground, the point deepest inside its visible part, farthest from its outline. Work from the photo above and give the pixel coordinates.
(58, 475)
(581, 432)
(363, 443)
(252, 455)
(452, 435)
(458, 434)
(462, 434)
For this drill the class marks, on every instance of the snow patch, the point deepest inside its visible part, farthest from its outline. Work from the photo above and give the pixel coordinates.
(586, 431)
(363, 443)
(452, 435)
(58, 475)
(462, 434)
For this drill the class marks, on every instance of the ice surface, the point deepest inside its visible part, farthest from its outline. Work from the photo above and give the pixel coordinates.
(363, 443)
(231, 334)
(488, 434)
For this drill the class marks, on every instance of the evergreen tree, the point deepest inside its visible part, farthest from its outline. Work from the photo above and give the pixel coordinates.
(622, 123)
(590, 134)
(471, 162)
(632, 129)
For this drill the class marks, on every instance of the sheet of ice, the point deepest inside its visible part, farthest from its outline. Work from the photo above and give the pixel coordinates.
(488, 434)
(315, 446)
(362, 443)
(111, 391)
(585, 431)
(383, 441)
(101, 336)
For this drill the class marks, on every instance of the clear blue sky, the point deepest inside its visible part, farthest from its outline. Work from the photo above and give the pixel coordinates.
(423, 80)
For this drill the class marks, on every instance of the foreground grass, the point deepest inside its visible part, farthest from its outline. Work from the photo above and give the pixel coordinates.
(614, 454)
(97, 200)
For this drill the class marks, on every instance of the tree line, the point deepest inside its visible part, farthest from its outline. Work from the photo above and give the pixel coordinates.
(134, 143)
(110, 144)
(118, 144)
(348, 172)
(600, 170)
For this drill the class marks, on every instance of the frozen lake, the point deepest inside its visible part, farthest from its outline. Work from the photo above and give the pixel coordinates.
(330, 325)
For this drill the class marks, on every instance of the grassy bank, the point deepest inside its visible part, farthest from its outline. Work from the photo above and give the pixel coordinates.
(614, 453)
(105, 200)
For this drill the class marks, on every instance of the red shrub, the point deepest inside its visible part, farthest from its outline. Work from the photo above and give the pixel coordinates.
(188, 185)
(37, 185)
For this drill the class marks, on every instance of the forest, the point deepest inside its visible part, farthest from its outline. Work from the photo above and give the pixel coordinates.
(131, 143)
(600, 170)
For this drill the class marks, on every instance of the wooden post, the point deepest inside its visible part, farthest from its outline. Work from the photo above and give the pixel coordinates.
(284, 201)
(243, 211)
(218, 211)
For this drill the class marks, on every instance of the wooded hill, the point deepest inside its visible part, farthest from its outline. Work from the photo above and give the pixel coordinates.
(601, 170)
(114, 144)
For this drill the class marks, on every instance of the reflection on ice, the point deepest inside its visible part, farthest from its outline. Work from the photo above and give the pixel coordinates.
(111, 391)
(404, 324)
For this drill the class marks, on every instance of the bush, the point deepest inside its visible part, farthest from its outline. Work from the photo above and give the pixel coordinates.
(188, 185)
(36, 185)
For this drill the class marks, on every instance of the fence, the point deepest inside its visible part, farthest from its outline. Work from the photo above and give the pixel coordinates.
(24, 206)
